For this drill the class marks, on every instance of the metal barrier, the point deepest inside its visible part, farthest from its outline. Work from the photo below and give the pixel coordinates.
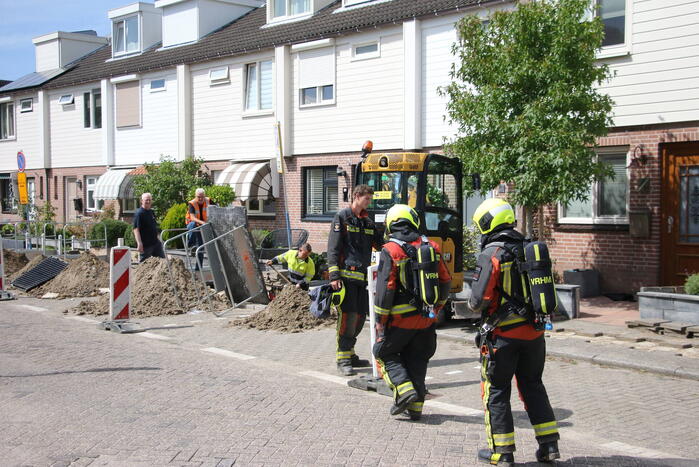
(29, 235)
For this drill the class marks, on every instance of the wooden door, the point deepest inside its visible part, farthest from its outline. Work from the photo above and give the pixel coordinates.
(679, 221)
(71, 192)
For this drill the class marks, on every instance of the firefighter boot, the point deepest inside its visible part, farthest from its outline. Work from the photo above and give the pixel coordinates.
(359, 362)
(547, 452)
(344, 367)
(402, 402)
(486, 456)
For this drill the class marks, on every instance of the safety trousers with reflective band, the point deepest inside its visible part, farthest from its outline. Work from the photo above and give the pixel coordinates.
(351, 315)
(403, 356)
(523, 359)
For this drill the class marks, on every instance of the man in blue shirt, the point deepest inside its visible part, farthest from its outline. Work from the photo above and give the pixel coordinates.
(145, 229)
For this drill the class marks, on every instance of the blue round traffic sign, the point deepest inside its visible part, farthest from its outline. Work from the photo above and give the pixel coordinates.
(21, 161)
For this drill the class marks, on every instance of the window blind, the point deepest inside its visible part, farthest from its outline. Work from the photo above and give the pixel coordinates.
(128, 104)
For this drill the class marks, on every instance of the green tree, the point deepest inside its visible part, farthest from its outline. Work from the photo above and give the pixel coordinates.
(524, 98)
(170, 181)
(221, 195)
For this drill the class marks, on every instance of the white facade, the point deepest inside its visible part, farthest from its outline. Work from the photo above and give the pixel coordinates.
(26, 136)
(71, 144)
(365, 107)
(157, 134)
(657, 81)
(221, 128)
(58, 49)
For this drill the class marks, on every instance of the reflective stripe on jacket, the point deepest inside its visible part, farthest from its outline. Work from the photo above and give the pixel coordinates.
(300, 270)
(198, 213)
(349, 245)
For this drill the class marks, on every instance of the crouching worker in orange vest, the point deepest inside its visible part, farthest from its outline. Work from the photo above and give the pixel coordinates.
(412, 286)
(301, 267)
(196, 216)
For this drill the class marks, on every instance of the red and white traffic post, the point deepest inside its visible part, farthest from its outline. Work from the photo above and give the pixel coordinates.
(119, 291)
(4, 295)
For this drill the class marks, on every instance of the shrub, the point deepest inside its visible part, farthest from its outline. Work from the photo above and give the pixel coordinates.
(221, 195)
(7, 230)
(174, 219)
(129, 237)
(258, 235)
(692, 285)
(115, 230)
(471, 245)
(321, 263)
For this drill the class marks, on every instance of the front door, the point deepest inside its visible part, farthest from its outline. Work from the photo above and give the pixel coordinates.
(679, 221)
(71, 193)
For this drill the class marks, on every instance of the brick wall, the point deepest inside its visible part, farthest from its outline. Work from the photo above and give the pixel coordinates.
(625, 263)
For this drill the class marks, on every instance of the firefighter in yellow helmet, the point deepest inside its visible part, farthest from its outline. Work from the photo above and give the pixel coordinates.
(509, 344)
(405, 328)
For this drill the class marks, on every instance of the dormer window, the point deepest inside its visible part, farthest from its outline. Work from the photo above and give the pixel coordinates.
(287, 8)
(126, 36)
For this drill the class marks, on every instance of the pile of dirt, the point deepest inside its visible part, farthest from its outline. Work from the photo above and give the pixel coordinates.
(83, 277)
(288, 312)
(30, 265)
(13, 261)
(152, 293)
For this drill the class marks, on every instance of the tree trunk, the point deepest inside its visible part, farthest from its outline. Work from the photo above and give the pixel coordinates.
(529, 222)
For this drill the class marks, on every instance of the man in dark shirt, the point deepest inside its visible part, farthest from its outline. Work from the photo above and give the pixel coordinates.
(145, 230)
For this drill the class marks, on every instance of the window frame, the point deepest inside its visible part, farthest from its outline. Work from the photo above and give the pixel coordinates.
(159, 88)
(258, 82)
(368, 55)
(326, 215)
(213, 81)
(7, 111)
(621, 49)
(90, 187)
(319, 96)
(91, 121)
(115, 25)
(66, 99)
(272, 17)
(261, 210)
(22, 109)
(595, 218)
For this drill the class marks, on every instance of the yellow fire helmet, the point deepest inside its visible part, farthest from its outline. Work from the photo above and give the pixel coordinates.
(338, 296)
(493, 213)
(402, 212)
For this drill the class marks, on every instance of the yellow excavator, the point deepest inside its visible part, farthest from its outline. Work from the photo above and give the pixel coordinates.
(432, 185)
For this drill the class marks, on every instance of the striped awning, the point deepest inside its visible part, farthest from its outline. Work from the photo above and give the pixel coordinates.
(250, 180)
(113, 184)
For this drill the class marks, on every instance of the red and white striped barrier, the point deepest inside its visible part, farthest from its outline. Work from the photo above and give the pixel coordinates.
(119, 281)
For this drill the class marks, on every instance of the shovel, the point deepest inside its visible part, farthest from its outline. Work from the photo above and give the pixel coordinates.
(280, 274)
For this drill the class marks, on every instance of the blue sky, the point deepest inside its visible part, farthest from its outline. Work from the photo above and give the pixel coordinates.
(22, 20)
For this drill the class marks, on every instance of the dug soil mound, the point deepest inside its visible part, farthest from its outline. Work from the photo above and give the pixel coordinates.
(151, 292)
(83, 277)
(288, 312)
(30, 265)
(13, 261)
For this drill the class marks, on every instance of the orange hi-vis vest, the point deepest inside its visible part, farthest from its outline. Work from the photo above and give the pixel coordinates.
(198, 213)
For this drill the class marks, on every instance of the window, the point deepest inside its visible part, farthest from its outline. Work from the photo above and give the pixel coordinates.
(31, 190)
(92, 203)
(8, 201)
(260, 206)
(7, 120)
(128, 104)
(66, 99)
(607, 201)
(92, 109)
(320, 189)
(26, 105)
(218, 75)
(364, 51)
(613, 16)
(41, 187)
(157, 85)
(131, 204)
(125, 34)
(281, 8)
(258, 86)
(317, 76)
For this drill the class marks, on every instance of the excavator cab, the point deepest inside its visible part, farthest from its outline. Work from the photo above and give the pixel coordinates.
(430, 183)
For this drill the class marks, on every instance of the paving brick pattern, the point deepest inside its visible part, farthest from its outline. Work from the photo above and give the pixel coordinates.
(71, 394)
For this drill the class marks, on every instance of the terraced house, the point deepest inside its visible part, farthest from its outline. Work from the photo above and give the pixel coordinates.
(236, 82)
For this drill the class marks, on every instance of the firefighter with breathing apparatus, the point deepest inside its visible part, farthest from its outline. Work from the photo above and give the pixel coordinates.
(513, 289)
(412, 285)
